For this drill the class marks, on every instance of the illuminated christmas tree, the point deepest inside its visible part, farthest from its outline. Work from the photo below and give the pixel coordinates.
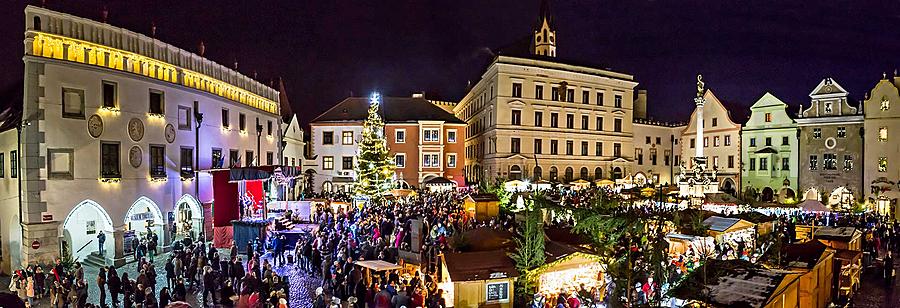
(374, 164)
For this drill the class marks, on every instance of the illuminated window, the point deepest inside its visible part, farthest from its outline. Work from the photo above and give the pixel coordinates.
(828, 108)
(885, 104)
(328, 162)
(813, 162)
(841, 132)
(848, 162)
(187, 162)
(158, 161)
(715, 141)
(882, 134)
(829, 161)
(218, 160)
(882, 164)
(817, 133)
(347, 137)
(768, 117)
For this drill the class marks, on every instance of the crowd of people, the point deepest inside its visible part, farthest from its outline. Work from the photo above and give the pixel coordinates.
(380, 231)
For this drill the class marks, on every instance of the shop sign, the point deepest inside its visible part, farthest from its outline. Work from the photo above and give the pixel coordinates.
(497, 291)
(142, 216)
(46, 217)
(498, 275)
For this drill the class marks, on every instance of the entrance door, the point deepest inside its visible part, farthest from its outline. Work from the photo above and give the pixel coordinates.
(80, 229)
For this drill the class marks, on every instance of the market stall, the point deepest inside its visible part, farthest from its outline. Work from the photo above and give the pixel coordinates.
(567, 268)
(477, 279)
(438, 184)
(731, 230)
(580, 184)
(372, 267)
(516, 186)
(482, 206)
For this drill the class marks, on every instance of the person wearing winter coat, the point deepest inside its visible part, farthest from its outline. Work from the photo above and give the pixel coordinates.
(29, 290)
(101, 285)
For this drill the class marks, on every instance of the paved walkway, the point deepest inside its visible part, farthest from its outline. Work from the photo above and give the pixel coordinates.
(302, 286)
(874, 292)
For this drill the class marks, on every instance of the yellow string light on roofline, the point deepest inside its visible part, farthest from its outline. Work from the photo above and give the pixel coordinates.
(68, 49)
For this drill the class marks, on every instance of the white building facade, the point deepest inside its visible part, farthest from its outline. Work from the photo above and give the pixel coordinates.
(657, 151)
(116, 130)
(721, 143)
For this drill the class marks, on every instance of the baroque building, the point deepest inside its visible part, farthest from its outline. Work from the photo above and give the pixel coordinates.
(535, 116)
(657, 151)
(721, 143)
(882, 118)
(116, 132)
(831, 146)
(769, 151)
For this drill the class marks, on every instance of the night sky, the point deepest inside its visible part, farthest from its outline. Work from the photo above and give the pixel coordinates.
(325, 50)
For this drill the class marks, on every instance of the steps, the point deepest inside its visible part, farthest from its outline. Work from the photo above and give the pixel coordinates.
(94, 259)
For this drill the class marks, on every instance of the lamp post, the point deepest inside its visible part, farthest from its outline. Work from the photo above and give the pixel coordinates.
(259, 130)
(199, 118)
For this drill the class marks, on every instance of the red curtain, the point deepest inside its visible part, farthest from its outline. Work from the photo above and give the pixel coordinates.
(225, 194)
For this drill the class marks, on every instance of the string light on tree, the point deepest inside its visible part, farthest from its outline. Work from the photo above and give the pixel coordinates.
(374, 164)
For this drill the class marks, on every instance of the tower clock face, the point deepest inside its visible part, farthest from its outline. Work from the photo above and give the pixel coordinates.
(170, 133)
(136, 129)
(95, 126)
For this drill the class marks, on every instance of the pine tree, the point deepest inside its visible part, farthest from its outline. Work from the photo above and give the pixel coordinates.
(374, 165)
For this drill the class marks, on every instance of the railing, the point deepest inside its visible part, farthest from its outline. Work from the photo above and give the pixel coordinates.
(85, 245)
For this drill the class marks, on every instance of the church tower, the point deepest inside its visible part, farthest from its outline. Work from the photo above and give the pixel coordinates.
(544, 40)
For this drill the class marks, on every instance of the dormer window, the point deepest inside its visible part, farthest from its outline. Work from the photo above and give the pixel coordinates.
(885, 104)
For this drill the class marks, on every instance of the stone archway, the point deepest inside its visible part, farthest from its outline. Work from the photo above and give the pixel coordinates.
(617, 173)
(728, 186)
(80, 229)
(188, 217)
(537, 173)
(811, 194)
(515, 172)
(143, 217)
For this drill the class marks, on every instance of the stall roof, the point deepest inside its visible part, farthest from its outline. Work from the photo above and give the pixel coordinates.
(554, 250)
(480, 265)
(845, 234)
(721, 198)
(377, 265)
(725, 224)
(439, 181)
(804, 255)
(484, 197)
(485, 238)
(732, 283)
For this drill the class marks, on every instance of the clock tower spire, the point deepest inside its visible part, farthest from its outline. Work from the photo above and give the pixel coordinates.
(544, 39)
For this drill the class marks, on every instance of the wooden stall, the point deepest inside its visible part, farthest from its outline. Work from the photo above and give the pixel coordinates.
(478, 279)
(815, 263)
(482, 206)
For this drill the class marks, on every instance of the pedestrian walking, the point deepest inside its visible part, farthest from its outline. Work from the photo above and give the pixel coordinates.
(101, 285)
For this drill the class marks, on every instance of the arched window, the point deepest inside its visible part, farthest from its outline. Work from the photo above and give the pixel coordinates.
(584, 173)
(598, 173)
(37, 23)
(570, 173)
(617, 173)
(537, 173)
(515, 172)
(554, 174)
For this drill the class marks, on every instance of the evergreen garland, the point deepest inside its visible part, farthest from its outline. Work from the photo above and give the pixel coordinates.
(374, 164)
